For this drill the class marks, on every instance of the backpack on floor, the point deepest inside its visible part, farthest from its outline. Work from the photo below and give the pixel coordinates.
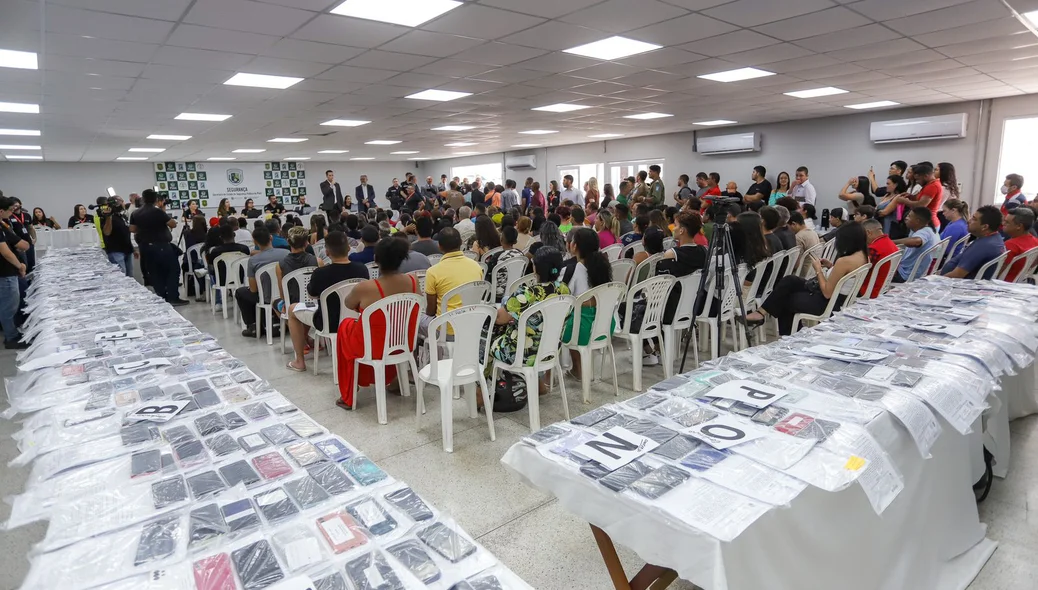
(509, 393)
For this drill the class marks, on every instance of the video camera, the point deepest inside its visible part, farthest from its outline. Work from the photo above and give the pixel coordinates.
(110, 206)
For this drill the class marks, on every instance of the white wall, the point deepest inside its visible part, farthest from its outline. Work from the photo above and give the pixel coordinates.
(59, 186)
(833, 148)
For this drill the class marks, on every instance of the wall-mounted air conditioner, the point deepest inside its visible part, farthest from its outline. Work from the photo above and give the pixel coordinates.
(521, 162)
(919, 129)
(728, 144)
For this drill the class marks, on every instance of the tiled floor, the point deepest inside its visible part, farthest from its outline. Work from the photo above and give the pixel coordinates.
(541, 542)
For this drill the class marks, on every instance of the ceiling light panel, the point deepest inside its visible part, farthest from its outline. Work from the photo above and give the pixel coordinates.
(248, 151)
(438, 95)
(382, 142)
(716, 122)
(221, 159)
(526, 145)
(816, 92)
(19, 107)
(459, 144)
(648, 116)
(453, 128)
(131, 158)
(407, 153)
(147, 150)
(561, 107)
(21, 132)
(360, 159)
(287, 140)
(737, 75)
(612, 48)
(294, 158)
(334, 152)
(262, 81)
(873, 105)
(345, 123)
(201, 117)
(20, 147)
(22, 60)
(409, 13)
(538, 132)
(19, 157)
(170, 137)
(606, 135)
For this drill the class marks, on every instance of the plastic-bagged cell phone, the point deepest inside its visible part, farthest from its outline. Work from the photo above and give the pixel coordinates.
(364, 471)
(253, 442)
(279, 404)
(210, 423)
(770, 415)
(593, 417)
(240, 515)
(704, 458)
(819, 429)
(413, 556)
(168, 462)
(373, 572)
(304, 453)
(145, 463)
(239, 472)
(625, 476)
(486, 583)
(306, 492)
(646, 400)
(409, 503)
(305, 427)
(652, 430)
(190, 453)
(235, 395)
(333, 581)
(233, 364)
(205, 484)
(256, 412)
(257, 566)
(271, 465)
(329, 477)
(659, 482)
(197, 385)
(222, 380)
(275, 505)
(794, 423)
(168, 492)
(372, 516)
(334, 449)
(245, 376)
(341, 532)
(138, 433)
(298, 548)
(158, 540)
(151, 392)
(177, 434)
(463, 585)
(214, 573)
(233, 421)
(278, 434)
(593, 470)
(222, 444)
(676, 448)
(207, 398)
(206, 523)
(546, 435)
(174, 389)
(447, 542)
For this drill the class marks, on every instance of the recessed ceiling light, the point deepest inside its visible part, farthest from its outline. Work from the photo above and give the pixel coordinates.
(19, 107)
(537, 132)
(440, 95)
(453, 128)
(606, 135)
(403, 153)
(736, 75)
(416, 159)
(716, 122)
(147, 150)
(297, 158)
(465, 153)
(816, 92)
(647, 116)
(21, 132)
(359, 159)
(221, 159)
(873, 105)
(201, 117)
(287, 140)
(131, 158)
(409, 13)
(1032, 17)
(382, 142)
(561, 107)
(170, 137)
(459, 144)
(612, 48)
(23, 60)
(345, 123)
(262, 81)
(526, 145)
(248, 151)
(15, 157)
(334, 152)
(20, 147)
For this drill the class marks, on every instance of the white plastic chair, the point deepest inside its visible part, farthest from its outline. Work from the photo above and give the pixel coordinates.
(816, 252)
(514, 269)
(612, 252)
(655, 290)
(632, 249)
(669, 243)
(983, 273)
(622, 270)
(372, 269)
(607, 299)
(935, 264)
(341, 290)
(956, 248)
(397, 349)
(301, 280)
(684, 315)
(265, 306)
(464, 367)
(890, 263)
(1024, 262)
(620, 239)
(470, 293)
(434, 258)
(646, 269)
(490, 254)
(917, 270)
(523, 281)
(849, 286)
(471, 254)
(829, 252)
(717, 322)
(193, 254)
(546, 357)
(237, 276)
(484, 267)
(84, 226)
(227, 286)
(419, 277)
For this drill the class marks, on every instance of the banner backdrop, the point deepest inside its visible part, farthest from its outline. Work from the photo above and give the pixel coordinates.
(209, 182)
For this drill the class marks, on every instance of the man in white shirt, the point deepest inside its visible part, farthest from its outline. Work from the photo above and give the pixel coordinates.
(570, 192)
(242, 234)
(465, 225)
(802, 190)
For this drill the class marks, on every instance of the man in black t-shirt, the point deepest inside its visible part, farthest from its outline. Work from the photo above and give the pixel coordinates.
(274, 207)
(684, 260)
(760, 190)
(117, 239)
(151, 225)
(11, 271)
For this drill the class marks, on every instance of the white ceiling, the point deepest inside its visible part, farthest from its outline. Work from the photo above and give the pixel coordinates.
(114, 71)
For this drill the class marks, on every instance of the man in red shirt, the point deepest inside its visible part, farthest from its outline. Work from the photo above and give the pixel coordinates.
(710, 187)
(1018, 227)
(1011, 189)
(931, 195)
(880, 246)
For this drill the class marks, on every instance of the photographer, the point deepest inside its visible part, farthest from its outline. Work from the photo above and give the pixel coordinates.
(151, 225)
(116, 233)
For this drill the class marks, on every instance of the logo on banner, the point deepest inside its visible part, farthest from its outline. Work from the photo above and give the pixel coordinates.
(235, 176)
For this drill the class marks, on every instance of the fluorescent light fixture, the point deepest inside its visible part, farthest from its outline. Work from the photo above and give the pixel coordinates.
(403, 153)
(459, 144)
(526, 145)
(262, 81)
(538, 132)
(816, 92)
(439, 95)
(201, 117)
(716, 122)
(417, 159)
(454, 128)
(736, 75)
(345, 123)
(287, 140)
(1031, 17)
(131, 159)
(465, 153)
(606, 135)
(297, 158)
(170, 137)
(409, 13)
(23, 60)
(21, 132)
(147, 150)
(612, 48)
(334, 152)
(561, 107)
(382, 142)
(248, 151)
(16, 157)
(647, 116)
(19, 107)
(20, 147)
(872, 105)
(360, 159)
(221, 159)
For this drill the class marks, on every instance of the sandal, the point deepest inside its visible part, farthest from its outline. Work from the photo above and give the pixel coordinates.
(292, 367)
(343, 404)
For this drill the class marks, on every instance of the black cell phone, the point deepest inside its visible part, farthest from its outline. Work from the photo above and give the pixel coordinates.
(239, 472)
(150, 393)
(233, 420)
(257, 566)
(178, 434)
(278, 434)
(145, 463)
(413, 556)
(222, 444)
(409, 503)
(210, 423)
(306, 492)
(168, 491)
(205, 484)
(447, 542)
(275, 505)
(138, 433)
(207, 398)
(329, 477)
(197, 385)
(240, 515)
(206, 523)
(189, 452)
(158, 540)
(256, 412)
(365, 571)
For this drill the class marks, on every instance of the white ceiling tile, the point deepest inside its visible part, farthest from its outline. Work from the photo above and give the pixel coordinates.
(498, 54)
(105, 26)
(668, 58)
(543, 8)
(970, 33)
(453, 68)
(617, 16)
(766, 55)
(167, 9)
(246, 15)
(285, 67)
(512, 75)
(697, 4)
(1006, 43)
(65, 63)
(605, 71)
(970, 13)
(558, 62)
(856, 37)
(415, 80)
(888, 48)
(882, 10)
(326, 53)
(432, 44)
(491, 23)
(78, 46)
(220, 39)
(647, 78)
(354, 74)
(750, 13)
(200, 58)
(557, 82)
(555, 36)
(683, 29)
(386, 60)
(355, 32)
(903, 61)
(321, 85)
(796, 65)
(814, 24)
(176, 74)
(734, 42)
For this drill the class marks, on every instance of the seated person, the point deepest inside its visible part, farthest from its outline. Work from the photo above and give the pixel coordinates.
(955, 214)
(771, 219)
(369, 237)
(297, 258)
(486, 237)
(653, 243)
(1018, 227)
(783, 232)
(509, 236)
(641, 223)
(248, 297)
(986, 246)
(389, 254)
(805, 239)
(415, 261)
(423, 225)
(684, 259)
(241, 233)
(793, 295)
(277, 240)
(453, 270)
(837, 217)
(227, 245)
(864, 212)
(880, 246)
(565, 219)
(273, 206)
(921, 238)
(592, 270)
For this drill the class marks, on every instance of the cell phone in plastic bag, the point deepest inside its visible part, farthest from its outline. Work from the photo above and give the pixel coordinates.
(138, 433)
(168, 492)
(304, 453)
(447, 542)
(197, 385)
(245, 376)
(278, 434)
(177, 434)
(652, 430)
(593, 417)
(676, 448)
(546, 435)
(372, 516)
(190, 453)
(271, 465)
(413, 556)
(158, 540)
(205, 484)
(240, 515)
(305, 427)
(205, 523)
(145, 463)
(334, 449)
(256, 412)
(239, 472)
(341, 532)
(214, 573)
(329, 477)
(233, 421)
(253, 442)
(257, 566)
(373, 572)
(222, 380)
(364, 471)
(486, 583)
(704, 458)
(646, 400)
(207, 398)
(152, 392)
(659, 482)
(306, 492)
(333, 581)
(625, 476)
(408, 502)
(275, 505)
(594, 470)
(222, 444)
(298, 547)
(210, 423)
(770, 415)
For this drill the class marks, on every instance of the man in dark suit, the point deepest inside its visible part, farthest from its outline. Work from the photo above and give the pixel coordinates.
(365, 195)
(333, 201)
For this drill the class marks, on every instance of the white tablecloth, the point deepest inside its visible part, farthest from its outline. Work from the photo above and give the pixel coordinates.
(65, 238)
(1017, 398)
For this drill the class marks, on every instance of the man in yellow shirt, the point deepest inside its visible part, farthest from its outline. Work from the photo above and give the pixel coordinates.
(453, 270)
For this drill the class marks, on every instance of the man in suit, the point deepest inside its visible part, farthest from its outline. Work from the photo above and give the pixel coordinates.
(364, 194)
(333, 201)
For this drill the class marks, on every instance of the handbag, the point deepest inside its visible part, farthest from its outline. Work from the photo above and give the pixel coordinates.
(510, 393)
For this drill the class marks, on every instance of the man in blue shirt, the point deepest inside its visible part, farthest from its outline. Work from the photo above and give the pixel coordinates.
(369, 236)
(922, 238)
(987, 246)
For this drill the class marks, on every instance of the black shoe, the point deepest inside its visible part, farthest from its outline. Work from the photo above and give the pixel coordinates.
(343, 405)
(179, 303)
(15, 345)
(249, 332)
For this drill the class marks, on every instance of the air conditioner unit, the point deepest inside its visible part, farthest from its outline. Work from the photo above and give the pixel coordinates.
(521, 162)
(728, 144)
(919, 129)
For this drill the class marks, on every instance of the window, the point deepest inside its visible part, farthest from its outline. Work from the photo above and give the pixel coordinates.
(618, 171)
(486, 172)
(1017, 156)
(581, 173)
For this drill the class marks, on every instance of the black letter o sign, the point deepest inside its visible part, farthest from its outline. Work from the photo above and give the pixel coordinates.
(723, 432)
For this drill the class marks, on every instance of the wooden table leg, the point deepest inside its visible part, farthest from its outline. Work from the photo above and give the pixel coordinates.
(650, 577)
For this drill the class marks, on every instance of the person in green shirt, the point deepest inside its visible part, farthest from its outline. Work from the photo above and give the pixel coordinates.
(625, 190)
(656, 191)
